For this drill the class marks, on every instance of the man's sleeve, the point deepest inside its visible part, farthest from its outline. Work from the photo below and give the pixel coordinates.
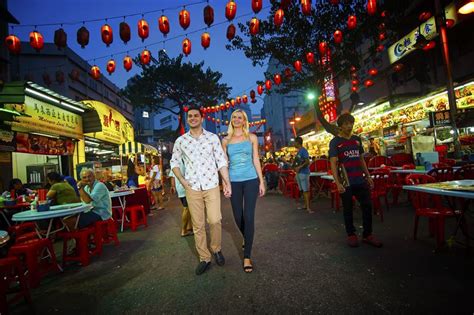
(219, 154)
(332, 148)
(177, 155)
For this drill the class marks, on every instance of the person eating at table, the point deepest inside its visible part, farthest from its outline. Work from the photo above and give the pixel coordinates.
(97, 195)
(17, 186)
(61, 192)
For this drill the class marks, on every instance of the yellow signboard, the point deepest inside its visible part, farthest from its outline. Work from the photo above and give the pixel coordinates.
(115, 127)
(428, 29)
(47, 118)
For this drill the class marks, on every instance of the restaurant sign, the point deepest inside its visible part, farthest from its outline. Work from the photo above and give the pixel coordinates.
(428, 29)
(43, 117)
(115, 127)
(441, 118)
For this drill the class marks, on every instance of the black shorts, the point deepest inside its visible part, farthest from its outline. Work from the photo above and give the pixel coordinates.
(184, 202)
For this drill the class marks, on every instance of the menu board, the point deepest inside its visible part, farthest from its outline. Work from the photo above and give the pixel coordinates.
(441, 118)
(465, 96)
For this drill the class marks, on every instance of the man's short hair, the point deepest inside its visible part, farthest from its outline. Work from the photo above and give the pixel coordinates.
(299, 140)
(85, 171)
(194, 107)
(346, 117)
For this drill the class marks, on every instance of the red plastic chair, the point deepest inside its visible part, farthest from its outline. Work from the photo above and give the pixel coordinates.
(381, 180)
(136, 216)
(81, 254)
(11, 273)
(106, 232)
(430, 206)
(400, 159)
(449, 162)
(23, 232)
(440, 164)
(465, 172)
(378, 160)
(442, 174)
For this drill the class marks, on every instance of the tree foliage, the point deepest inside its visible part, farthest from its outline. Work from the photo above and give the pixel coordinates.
(181, 83)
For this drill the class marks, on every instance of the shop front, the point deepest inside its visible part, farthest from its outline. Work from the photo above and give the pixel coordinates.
(42, 137)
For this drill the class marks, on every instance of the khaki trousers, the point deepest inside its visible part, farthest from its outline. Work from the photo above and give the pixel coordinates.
(202, 203)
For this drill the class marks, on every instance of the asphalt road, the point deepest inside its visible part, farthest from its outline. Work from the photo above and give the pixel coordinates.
(302, 265)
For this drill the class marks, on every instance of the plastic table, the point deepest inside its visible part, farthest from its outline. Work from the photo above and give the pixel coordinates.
(123, 202)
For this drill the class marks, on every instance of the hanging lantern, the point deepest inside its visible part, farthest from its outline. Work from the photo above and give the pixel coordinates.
(284, 4)
(449, 23)
(429, 46)
(111, 66)
(185, 109)
(60, 77)
(277, 79)
(323, 48)
(351, 22)
(222, 106)
(256, 6)
(381, 27)
(371, 7)
(380, 48)
(83, 37)
(205, 40)
(13, 44)
(254, 26)
(373, 72)
(143, 29)
(245, 99)
(164, 25)
(145, 57)
(384, 14)
(36, 40)
(107, 34)
(310, 57)
(230, 10)
(260, 89)
(186, 46)
(298, 66)
(353, 69)
(355, 82)
(208, 118)
(398, 67)
(368, 83)
(232, 102)
(338, 37)
(268, 85)
(278, 18)
(288, 73)
(252, 94)
(184, 19)
(382, 36)
(74, 74)
(127, 63)
(238, 100)
(424, 16)
(354, 88)
(230, 32)
(60, 38)
(208, 15)
(124, 32)
(95, 72)
(306, 7)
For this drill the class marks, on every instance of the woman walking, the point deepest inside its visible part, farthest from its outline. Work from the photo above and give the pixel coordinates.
(246, 178)
(155, 183)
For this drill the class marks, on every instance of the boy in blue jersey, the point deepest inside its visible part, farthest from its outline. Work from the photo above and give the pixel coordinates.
(346, 149)
(301, 167)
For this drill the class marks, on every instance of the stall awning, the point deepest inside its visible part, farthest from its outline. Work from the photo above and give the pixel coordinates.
(136, 147)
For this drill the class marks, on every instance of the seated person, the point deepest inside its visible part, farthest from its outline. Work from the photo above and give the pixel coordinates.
(96, 194)
(17, 185)
(61, 192)
(71, 181)
(109, 183)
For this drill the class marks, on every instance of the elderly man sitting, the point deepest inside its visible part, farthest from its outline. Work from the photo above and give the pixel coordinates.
(96, 194)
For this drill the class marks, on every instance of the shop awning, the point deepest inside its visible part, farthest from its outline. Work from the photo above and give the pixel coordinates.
(136, 147)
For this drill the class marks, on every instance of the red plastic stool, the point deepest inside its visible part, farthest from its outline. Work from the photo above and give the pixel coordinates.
(12, 272)
(82, 253)
(32, 253)
(136, 215)
(106, 230)
(23, 232)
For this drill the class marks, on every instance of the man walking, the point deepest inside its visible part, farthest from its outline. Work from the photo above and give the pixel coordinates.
(301, 167)
(348, 168)
(203, 157)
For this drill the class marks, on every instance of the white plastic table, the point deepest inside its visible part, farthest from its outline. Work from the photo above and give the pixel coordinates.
(123, 202)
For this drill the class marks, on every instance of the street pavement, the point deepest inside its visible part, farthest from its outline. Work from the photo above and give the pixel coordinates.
(302, 265)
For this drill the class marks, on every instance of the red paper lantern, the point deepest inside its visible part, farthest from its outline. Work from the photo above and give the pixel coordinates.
(74, 74)
(95, 72)
(424, 16)
(398, 67)
(111, 66)
(208, 118)
(430, 45)
(184, 19)
(298, 66)
(382, 36)
(143, 29)
(354, 88)
(373, 72)
(185, 109)
(381, 27)
(260, 89)
(205, 40)
(371, 7)
(124, 32)
(310, 57)
(230, 10)
(355, 82)
(208, 15)
(232, 102)
(323, 48)
(60, 38)
(186, 46)
(252, 94)
(107, 34)
(277, 79)
(288, 73)
(449, 23)
(238, 100)
(351, 22)
(222, 106)
(13, 44)
(60, 77)
(254, 26)
(306, 7)
(278, 18)
(245, 99)
(368, 83)
(268, 85)
(380, 48)
(230, 32)
(127, 63)
(353, 69)
(257, 5)
(164, 25)
(384, 14)
(36, 40)
(338, 37)
(145, 57)
(83, 37)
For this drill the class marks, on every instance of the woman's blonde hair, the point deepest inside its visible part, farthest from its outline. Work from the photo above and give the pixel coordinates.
(245, 126)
